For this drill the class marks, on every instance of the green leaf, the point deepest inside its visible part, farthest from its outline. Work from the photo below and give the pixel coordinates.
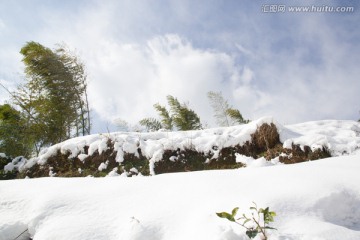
(234, 211)
(263, 211)
(251, 233)
(270, 228)
(271, 216)
(268, 216)
(226, 215)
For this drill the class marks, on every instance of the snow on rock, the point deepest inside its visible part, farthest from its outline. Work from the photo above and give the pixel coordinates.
(313, 200)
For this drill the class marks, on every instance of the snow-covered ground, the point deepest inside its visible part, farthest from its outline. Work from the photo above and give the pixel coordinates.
(313, 200)
(316, 200)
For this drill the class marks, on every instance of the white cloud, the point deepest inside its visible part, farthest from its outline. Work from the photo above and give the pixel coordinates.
(294, 67)
(129, 78)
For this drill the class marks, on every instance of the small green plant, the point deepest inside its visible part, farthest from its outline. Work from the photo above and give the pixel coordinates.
(258, 223)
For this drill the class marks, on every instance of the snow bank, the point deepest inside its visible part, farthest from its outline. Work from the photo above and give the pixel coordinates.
(151, 145)
(313, 200)
(339, 137)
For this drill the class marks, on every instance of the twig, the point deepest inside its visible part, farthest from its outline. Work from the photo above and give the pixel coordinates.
(21, 234)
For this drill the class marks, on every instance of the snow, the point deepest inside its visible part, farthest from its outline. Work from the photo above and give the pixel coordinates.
(82, 157)
(313, 200)
(260, 162)
(103, 166)
(16, 164)
(73, 149)
(51, 173)
(134, 170)
(120, 153)
(339, 137)
(113, 173)
(316, 200)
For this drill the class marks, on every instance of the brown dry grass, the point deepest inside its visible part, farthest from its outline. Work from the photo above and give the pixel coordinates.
(265, 142)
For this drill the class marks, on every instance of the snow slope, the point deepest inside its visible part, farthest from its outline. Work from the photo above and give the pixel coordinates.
(313, 200)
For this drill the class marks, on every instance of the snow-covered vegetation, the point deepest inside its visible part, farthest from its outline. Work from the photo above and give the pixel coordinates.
(313, 200)
(336, 137)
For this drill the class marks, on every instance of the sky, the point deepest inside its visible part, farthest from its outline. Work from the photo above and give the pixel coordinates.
(294, 66)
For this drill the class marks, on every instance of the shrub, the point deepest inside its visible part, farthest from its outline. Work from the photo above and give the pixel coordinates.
(254, 224)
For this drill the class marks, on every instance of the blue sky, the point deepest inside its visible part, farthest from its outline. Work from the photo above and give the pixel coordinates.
(293, 66)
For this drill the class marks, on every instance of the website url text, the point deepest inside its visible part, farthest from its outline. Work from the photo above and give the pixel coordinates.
(279, 8)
